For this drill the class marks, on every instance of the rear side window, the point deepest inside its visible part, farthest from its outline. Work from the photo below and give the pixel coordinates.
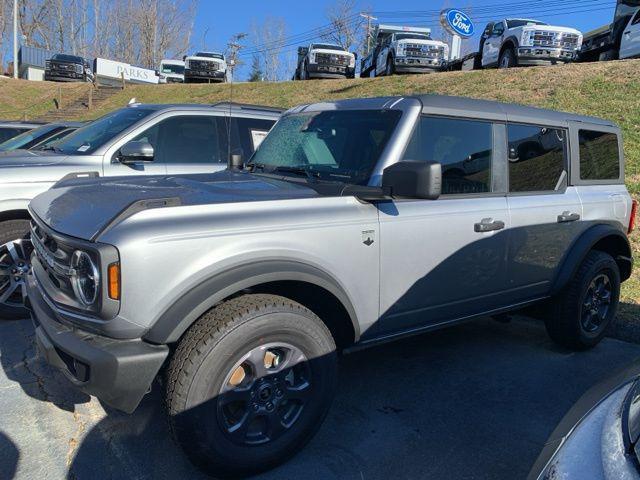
(599, 155)
(464, 148)
(537, 158)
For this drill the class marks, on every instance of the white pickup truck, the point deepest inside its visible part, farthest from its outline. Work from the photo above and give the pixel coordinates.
(404, 50)
(171, 71)
(205, 67)
(514, 41)
(324, 60)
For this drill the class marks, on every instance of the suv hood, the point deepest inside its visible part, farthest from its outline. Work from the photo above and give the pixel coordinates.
(82, 208)
(28, 158)
(334, 52)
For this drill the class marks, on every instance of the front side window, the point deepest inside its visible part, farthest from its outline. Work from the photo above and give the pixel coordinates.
(89, 138)
(189, 140)
(599, 155)
(464, 148)
(342, 145)
(248, 134)
(537, 158)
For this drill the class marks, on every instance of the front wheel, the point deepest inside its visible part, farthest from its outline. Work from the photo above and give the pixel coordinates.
(250, 383)
(508, 59)
(15, 253)
(390, 69)
(580, 316)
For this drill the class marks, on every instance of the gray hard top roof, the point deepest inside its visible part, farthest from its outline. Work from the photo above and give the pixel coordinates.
(460, 107)
(222, 106)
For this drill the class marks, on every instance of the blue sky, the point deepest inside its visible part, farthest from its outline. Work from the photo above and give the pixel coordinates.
(219, 20)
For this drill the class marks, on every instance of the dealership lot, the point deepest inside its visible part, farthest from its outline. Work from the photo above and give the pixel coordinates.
(473, 401)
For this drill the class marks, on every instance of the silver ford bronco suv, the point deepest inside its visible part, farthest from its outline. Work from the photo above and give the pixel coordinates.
(355, 222)
(136, 140)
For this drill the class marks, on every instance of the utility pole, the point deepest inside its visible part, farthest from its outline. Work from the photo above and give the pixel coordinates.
(15, 38)
(368, 36)
(233, 47)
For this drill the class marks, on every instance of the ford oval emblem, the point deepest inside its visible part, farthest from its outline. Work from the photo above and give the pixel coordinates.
(457, 22)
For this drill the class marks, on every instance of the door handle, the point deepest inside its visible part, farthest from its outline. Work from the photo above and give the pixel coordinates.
(568, 217)
(487, 225)
(628, 32)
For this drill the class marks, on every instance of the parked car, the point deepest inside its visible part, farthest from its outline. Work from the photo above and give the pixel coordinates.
(136, 140)
(350, 225)
(404, 50)
(10, 129)
(598, 438)
(68, 68)
(205, 67)
(40, 138)
(324, 60)
(514, 41)
(619, 39)
(171, 71)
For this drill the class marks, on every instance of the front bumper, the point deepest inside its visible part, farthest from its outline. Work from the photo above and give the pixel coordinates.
(54, 76)
(216, 75)
(545, 56)
(118, 372)
(417, 65)
(316, 70)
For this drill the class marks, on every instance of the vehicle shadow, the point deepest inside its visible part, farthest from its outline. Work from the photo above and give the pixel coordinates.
(21, 363)
(457, 403)
(627, 324)
(9, 457)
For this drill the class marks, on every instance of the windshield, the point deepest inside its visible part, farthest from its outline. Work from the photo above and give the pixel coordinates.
(88, 139)
(341, 146)
(324, 46)
(523, 23)
(26, 139)
(210, 55)
(415, 36)
(172, 68)
(67, 58)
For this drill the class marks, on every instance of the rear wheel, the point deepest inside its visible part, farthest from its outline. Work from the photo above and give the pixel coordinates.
(15, 253)
(250, 383)
(581, 314)
(508, 59)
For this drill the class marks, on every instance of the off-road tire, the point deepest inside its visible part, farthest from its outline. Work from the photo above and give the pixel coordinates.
(11, 230)
(211, 348)
(508, 59)
(564, 318)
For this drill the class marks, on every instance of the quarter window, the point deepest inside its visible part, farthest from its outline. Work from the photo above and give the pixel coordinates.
(464, 148)
(537, 158)
(599, 155)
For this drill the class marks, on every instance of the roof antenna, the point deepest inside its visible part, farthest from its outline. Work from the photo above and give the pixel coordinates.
(233, 47)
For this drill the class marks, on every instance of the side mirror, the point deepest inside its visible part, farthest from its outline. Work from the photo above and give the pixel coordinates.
(136, 151)
(413, 179)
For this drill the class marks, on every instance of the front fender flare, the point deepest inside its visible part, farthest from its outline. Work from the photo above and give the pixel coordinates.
(582, 246)
(172, 324)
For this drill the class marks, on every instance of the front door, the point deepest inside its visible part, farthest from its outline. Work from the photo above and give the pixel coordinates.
(444, 259)
(545, 212)
(630, 43)
(492, 45)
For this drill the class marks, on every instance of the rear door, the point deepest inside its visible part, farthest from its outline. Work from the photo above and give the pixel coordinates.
(630, 43)
(445, 259)
(545, 211)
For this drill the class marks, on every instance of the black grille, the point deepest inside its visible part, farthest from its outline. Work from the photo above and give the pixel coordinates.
(555, 39)
(332, 59)
(424, 51)
(203, 65)
(54, 257)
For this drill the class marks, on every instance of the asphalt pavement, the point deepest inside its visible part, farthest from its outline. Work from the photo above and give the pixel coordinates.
(476, 401)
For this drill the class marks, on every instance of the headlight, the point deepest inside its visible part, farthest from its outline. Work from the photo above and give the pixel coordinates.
(527, 38)
(79, 69)
(47, 65)
(400, 50)
(85, 278)
(352, 62)
(312, 57)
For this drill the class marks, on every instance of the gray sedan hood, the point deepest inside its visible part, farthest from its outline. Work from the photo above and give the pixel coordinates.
(83, 208)
(29, 158)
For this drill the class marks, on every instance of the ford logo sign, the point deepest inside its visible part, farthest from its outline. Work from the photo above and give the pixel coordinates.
(457, 22)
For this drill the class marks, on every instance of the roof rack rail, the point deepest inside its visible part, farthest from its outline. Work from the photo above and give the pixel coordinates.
(247, 106)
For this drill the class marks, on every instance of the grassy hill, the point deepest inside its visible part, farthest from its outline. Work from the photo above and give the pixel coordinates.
(608, 89)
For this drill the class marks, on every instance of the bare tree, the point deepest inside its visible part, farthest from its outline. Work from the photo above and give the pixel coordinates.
(268, 40)
(345, 24)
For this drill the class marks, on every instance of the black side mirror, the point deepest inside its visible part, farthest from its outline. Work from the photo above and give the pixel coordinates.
(235, 162)
(413, 179)
(136, 151)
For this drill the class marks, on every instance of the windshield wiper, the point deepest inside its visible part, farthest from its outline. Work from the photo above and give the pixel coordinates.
(298, 171)
(51, 148)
